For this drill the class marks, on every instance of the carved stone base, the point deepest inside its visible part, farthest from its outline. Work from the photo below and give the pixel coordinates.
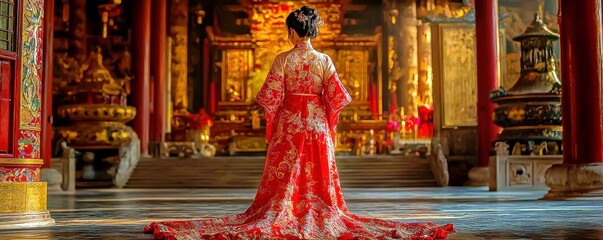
(25, 220)
(575, 181)
(516, 172)
(66, 166)
(178, 149)
(129, 155)
(478, 176)
(439, 164)
(52, 177)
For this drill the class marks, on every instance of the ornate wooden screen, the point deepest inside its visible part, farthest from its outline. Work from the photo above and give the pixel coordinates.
(8, 56)
(7, 25)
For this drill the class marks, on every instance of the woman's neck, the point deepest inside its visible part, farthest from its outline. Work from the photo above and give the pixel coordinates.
(302, 40)
(303, 43)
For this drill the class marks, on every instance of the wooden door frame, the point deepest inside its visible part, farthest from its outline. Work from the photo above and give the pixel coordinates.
(15, 58)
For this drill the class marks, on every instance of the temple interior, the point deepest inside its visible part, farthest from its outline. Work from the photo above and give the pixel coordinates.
(117, 113)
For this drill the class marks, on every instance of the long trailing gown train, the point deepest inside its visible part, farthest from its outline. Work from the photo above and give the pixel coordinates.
(299, 196)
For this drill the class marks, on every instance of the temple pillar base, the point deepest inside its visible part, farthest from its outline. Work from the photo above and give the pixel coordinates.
(478, 176)
(23, 204)
(155, 149)
(575, 181)
(52, 177)
(25, 220)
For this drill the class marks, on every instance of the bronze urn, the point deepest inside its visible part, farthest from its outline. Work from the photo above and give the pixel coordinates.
(530, 111)
(97, 109)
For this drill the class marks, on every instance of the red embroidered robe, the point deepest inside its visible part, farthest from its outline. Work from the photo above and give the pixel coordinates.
(299, 196)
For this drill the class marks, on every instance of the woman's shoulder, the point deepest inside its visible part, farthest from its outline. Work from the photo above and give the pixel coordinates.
(325, 57)
(281, 56)
(313, 54)
(319, 56)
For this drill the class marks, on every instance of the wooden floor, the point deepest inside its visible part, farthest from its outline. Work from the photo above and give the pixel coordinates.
(246, 172)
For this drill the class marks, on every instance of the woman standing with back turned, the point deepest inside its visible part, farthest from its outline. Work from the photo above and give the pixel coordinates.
(299, 196)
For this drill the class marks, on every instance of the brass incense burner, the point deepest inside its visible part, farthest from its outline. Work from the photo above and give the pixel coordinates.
(530, 111)
(97, 111)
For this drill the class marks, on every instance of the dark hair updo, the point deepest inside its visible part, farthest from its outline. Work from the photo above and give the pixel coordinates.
(305, 21)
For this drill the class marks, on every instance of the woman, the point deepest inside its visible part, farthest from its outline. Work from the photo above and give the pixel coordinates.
(299, 196)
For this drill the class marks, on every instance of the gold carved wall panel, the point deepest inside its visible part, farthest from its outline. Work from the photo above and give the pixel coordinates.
(244, 70)
(352, 67)
(408, 57)
(235, 75)
(425, 83)
(268, 21)
(179, 68)
(178, 31)
(458, 73)
(246, 59)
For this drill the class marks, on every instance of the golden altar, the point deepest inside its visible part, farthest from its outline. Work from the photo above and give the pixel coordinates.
(242, 61)
(415, 57)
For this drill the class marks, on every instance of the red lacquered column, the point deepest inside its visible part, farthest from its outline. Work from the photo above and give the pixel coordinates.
(141, 49)
(158, 68)
(581, 174)
(23, 196)
(486, 37)
(487, 75)
(46, 134)
(581, 78)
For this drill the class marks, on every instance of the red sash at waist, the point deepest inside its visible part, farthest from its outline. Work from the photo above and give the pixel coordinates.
(302, 94)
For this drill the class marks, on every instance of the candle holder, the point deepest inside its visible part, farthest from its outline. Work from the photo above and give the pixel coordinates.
(108, 12)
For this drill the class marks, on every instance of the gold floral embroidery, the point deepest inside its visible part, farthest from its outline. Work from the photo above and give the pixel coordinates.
(299, 196)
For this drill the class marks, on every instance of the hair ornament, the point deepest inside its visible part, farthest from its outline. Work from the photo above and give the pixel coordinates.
(301, 17)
